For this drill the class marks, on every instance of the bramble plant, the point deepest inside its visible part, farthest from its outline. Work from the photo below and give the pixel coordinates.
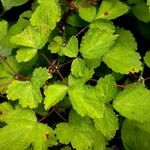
(74, 74)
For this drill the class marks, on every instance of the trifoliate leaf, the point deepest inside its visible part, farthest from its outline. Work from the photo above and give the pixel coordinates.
(141, 11)
(108, 124)
(86, 101)
(33, 37)
(134, 103)
(133, 137)
(28, 92)
(71, 49)
(48, 12)
(123, 60)
(107, 88)
(8, 4)
(79, 131)
(21, 125)
(54, 94)
(111, 9)
(97, 40)
(147, 58)
(25, 54)
(87, 13)
(126, 39)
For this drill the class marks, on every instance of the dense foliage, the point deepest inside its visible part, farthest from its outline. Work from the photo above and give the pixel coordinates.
(74, 74)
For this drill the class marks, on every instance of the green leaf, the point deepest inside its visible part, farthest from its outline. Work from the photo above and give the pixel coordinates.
(107, 88)
(133, 103)
(39, 76)
(79, 131)
(108, 124)
(141, 11)
(48, 12)
(3, 29)
(54, 94)
(25, 92)
(21, 125)
(87, 13)
(56, 45)
(97, 40)
(28, 92)
(33, 37)
(25, 54)
(147, 59)
(8, 4)
(78, 68)
(126, 39)
(111, 9)
(86, 104)
(133, 137)
(71, 49)
(123, 60)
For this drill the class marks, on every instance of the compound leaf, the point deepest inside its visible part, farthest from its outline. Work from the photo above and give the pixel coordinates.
(111, 9)
(134, 103)
(54, 93)
(90, 104)
(48, 13)
(108, 124)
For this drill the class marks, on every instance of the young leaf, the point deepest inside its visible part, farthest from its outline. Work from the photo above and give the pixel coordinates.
(87, 13)
(133, 103)
(48, 13)
(147, 59)
(108, 124)
(21, 125)
(141, 11)
(86, 100)
(54, 94)
(71, 49)
(79, 131)
(111, 9)
(133, 137)
(123, 60)
(97, 40)
(107, 88)
(8, 4)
